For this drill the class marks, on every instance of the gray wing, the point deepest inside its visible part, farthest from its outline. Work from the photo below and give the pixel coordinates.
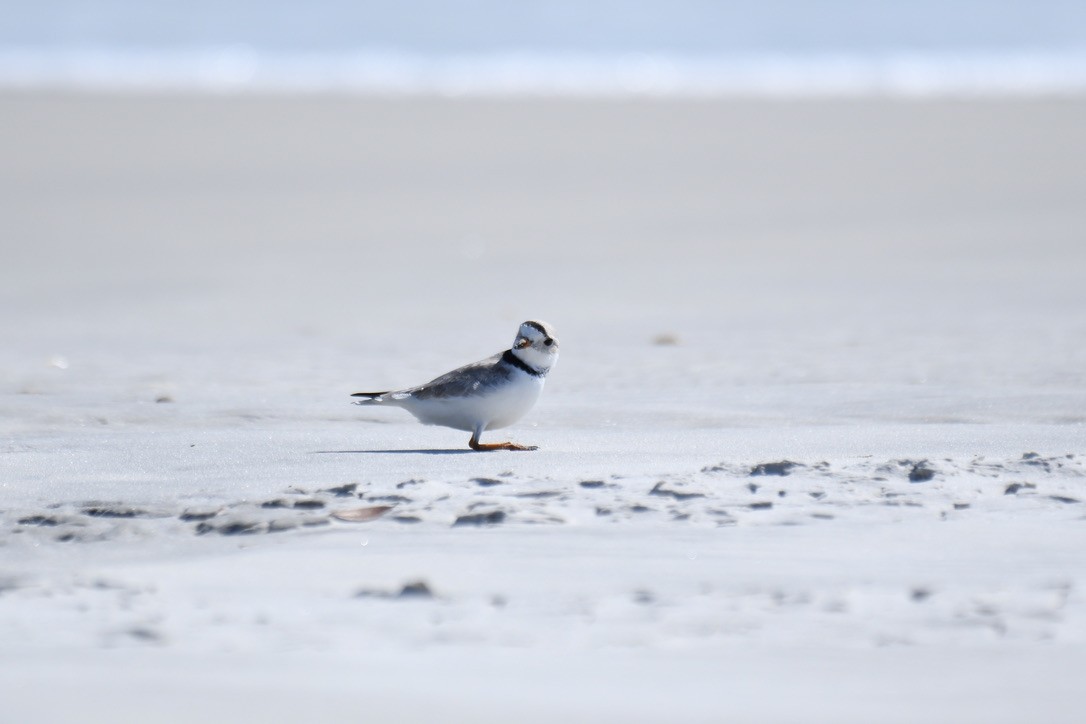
(473, 379)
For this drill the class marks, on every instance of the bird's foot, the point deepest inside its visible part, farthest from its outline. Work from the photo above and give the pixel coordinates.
(484, 446)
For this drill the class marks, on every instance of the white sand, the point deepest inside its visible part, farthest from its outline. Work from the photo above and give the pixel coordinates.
(854, 286)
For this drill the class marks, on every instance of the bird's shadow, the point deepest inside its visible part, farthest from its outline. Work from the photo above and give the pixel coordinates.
(431, 451)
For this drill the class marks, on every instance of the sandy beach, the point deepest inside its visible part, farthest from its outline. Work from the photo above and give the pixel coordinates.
(814, 450)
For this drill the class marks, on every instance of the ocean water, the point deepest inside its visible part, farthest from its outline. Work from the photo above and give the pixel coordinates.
(647, 47)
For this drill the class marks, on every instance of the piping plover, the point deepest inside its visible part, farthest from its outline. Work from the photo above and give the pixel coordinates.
(486, 395)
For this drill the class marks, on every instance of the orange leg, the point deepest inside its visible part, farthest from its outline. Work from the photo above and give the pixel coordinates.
(483, 446)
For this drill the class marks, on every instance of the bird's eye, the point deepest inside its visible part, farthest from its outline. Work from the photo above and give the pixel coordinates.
(548, 341)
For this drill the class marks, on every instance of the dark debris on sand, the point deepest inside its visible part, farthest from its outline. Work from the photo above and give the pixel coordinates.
(387, 498)
(486, 482)
(42, 520)
(659, 489)
(1046, 464)
(342, 491)
(194, 515)
(412, 590)
(497, 500)
(246, 526)
(921, 472)
(782, 468)
(232, 527)
(114, 511)
(491, 518)
(304, 504)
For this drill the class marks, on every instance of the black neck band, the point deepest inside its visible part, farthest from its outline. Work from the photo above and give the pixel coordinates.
(520, 364)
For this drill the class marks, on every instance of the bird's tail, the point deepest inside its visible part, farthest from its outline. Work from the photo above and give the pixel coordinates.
(370, 398)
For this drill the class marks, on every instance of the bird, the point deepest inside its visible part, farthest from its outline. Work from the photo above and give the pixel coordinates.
(486, 395)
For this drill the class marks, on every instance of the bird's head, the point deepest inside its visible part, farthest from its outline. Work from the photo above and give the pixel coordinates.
(536, 345)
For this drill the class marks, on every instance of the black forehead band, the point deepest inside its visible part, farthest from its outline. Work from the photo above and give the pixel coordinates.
(537, 327)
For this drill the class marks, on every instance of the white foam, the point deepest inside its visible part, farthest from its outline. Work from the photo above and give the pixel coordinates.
(244, 69)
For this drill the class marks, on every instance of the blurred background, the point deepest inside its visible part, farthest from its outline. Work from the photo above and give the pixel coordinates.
(601, 46)
(701, 196)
